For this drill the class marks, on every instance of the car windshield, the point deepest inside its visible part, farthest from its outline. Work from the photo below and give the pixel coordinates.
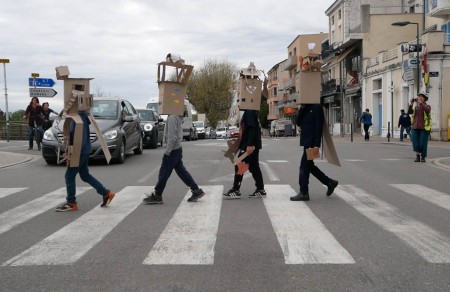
(198, 124)
(104, 109)
(146, 115)
(220, 129)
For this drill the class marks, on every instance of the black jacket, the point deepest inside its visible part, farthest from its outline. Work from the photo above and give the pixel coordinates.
(404, 120)
(250, 131)
(310, 121)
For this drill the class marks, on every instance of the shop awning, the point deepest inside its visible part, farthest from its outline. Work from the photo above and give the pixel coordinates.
(342, 56)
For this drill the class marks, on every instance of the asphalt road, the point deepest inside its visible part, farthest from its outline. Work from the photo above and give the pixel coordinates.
(385, 228)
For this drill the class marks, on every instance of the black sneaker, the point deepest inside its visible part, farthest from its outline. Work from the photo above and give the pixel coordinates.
(331, 186)
(197, 194)
(300, 197)
(258, 194)
(67, 207)
(232, 194)
(152, 199)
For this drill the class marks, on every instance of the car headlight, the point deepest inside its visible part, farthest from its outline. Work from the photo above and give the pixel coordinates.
(147, 127)
(109, 135)
(48, 135)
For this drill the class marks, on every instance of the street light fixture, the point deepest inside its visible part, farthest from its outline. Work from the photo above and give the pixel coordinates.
(404, 23)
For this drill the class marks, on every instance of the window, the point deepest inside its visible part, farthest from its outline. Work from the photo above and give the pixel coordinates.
(332, 20)
(339, 15)
(275, 91)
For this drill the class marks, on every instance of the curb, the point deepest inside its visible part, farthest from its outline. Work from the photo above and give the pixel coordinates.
(9, 159)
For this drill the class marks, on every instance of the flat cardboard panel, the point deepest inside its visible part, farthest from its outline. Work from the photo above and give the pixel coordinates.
(249, 94)
(171, 98)
(328, 146)
(309, 85)
(75, 149)
(100, 139)
(310, 155)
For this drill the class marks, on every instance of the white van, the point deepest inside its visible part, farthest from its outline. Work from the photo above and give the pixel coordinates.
(189, 131)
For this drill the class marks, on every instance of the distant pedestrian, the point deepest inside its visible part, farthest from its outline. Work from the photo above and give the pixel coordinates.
(173, 160)
(310, 120)
(35, 116)
(366, 119)
(250, 143)
(46, 112)
(404, 123)
(82, 169)
(421, 125)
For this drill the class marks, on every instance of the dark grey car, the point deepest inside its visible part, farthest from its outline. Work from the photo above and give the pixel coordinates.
(119, 123)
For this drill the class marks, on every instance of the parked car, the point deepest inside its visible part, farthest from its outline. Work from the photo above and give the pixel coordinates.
(152, 127)
(201, 129)
(119, 123)
(277, 127)
(211, 133)
(234, 132)
(222, 133)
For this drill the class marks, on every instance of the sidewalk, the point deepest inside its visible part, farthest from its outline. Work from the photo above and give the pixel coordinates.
(9, 159)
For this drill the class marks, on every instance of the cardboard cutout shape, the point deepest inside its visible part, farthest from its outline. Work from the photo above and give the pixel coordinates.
(249, 88)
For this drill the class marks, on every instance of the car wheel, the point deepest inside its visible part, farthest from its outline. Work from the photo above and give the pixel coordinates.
(121, 157)
(50, 161)
(140, 147)
(154, 144)
(189, 137)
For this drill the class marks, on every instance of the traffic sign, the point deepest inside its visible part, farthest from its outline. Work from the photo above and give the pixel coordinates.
(41, 82)
(42, 92)
(4, 61)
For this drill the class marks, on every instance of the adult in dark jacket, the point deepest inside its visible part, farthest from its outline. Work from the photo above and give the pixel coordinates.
(310, 120)
(404, 123)
(250, 142)
(34, 113)
(366, 119)
(421, 125)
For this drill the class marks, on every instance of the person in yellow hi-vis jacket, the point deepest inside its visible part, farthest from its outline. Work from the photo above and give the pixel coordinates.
(421, 125)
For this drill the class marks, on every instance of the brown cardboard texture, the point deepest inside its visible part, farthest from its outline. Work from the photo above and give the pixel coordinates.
(249, 94)
(62, 72)
(328, 146)
(171, 98)
(73, 150)
(76, 95)
(311, 154)
(234, 115)
(309, 85)
(100, 139)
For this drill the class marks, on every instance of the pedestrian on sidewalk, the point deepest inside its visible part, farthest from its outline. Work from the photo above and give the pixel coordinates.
(404, 123)
(173, 159)
(366, 119)
(250, 143)
(82, 169)
(421, 125)
(35, 116)
(310, 120)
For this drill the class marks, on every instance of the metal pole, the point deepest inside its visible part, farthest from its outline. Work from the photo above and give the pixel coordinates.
(6, 103)
(341, 98)
(417, 56)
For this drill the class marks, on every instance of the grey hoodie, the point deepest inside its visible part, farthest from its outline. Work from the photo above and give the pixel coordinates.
(173, 133)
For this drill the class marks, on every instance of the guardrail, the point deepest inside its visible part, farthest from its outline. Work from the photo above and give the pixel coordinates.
(17, 130)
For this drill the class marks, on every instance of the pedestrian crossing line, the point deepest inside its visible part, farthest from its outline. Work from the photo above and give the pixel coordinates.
(302, 236)
(69, 244)
(430, 244)
(190, 236)
(438, 198)
(4, 192)
(269, 172)
(25, 212)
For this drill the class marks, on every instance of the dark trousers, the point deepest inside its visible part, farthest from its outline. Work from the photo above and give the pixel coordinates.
(253, 167)
(308, 167)
(366, 131)
(420, 141)
(407, 129)
(169, 163)
(83, 170)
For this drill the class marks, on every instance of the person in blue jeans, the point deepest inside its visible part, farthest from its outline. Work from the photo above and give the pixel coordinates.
(35, 114)
(421, 125)
(83, 170)
(404, 122)
(366, 119)
(173, 160)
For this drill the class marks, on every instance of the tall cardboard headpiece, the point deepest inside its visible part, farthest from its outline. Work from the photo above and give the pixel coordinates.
(172, 79)
(308, 81)
(249, 88)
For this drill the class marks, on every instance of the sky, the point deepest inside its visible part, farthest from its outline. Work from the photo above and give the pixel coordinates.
(119, 43)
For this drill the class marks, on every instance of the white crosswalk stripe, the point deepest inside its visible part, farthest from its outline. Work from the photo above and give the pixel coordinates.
(302, 237)
(70, 243)
(25, 212)
(4, 192)
(430, 244)
(190, 236)
(438, 198)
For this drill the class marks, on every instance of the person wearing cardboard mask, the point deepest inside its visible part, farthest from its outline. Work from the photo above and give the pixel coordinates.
(310, 120)
(250, 143)
(173, 160)
(421, 125)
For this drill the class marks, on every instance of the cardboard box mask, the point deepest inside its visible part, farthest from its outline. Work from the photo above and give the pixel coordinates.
(249, 88)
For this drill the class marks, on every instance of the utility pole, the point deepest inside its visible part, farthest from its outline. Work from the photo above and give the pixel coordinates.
(4, 62)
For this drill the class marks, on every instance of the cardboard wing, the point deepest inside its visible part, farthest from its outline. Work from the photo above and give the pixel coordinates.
(328, 146)
(100, 139)
(73, 150)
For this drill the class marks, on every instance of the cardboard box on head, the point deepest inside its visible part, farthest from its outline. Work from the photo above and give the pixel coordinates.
(77, 99)
(172, 79)
(309, 86)
(249, 88)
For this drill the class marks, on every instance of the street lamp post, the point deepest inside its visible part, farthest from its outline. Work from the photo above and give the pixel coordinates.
(4, 62)
(404, 23)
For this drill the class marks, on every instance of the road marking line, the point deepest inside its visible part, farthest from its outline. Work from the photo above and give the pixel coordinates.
(229, 177)
(190, 236)
(438, 198)
(25, 212)
(430, 244)
(277, 161)
(70, 243)
(302, 236)
(4, 192)
(269, 171)
(354, 160)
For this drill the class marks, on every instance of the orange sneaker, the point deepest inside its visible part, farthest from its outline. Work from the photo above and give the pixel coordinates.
(107, 199)
(67, 207)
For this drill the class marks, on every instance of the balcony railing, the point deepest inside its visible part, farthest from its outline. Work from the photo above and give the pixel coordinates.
(290, 63)
(288, 84)
(391, 54)
(372, 62)
(440, 8)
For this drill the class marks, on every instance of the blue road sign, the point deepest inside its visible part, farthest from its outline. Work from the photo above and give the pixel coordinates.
(41, 82)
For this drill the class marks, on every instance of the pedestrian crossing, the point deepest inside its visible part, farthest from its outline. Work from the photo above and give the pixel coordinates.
(190, 236)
